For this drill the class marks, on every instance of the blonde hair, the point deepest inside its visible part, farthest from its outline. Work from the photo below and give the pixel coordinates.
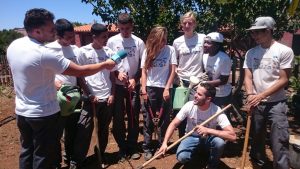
(155, 42)
(189, 14)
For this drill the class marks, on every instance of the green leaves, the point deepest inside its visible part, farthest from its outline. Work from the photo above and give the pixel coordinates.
(231, 16)
(6, 37)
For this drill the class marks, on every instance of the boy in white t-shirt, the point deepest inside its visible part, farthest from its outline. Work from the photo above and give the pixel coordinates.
(267, 71)
(64, 45)
(196, 112)
(128, 88)
(101, 91)
(217, 65)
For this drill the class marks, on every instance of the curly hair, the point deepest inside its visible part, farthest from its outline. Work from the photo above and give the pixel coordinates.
(37, 17)
(155, 42)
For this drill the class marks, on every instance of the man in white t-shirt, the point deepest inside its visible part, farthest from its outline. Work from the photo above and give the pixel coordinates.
(64, 45)
(101, 91)
(33, 68)
(189, 51)
(267, 71)
(127, 87)
(217, 66)
(196, 112)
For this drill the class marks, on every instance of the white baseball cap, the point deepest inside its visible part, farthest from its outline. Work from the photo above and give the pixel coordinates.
(264, 22)
(215, 37)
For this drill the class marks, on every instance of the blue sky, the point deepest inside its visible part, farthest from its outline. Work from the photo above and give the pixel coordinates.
(13, 11)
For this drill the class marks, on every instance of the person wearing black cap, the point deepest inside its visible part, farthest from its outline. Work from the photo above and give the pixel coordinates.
(267, 71)
(100, 92)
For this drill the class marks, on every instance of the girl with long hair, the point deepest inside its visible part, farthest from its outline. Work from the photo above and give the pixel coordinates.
(158, 70)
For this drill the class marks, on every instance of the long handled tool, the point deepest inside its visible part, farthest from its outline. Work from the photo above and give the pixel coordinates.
(96, 129)
(248, 110)
(186, 135)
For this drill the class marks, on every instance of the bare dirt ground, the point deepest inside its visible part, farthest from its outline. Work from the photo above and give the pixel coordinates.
(10, 147)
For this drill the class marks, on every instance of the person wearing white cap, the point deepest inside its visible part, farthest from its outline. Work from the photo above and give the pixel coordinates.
(217, 65)
(189, 51)
(267, 70)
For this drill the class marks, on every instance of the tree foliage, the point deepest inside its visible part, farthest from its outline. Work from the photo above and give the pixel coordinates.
(6, 37)
(231, 17)
(78, 23)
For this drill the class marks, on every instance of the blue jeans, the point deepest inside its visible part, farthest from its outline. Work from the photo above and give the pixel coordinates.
(275, 114)
(189, 146)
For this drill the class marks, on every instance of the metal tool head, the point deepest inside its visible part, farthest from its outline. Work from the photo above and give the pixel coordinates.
(194, 80)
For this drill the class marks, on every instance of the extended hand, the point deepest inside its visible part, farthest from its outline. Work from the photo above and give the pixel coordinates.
(162, 149)
(254, 100)
(109, 64)
(110, 100)
(166, 95)
(122, 76)
(131, 85)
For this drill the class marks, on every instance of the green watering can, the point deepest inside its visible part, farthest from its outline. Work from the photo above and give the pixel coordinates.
(68, 97)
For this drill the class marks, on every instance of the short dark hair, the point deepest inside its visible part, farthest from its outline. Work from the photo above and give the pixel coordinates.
(98, 28)
(210, 90)
(37, 17)
(124, 18)
(62, 26)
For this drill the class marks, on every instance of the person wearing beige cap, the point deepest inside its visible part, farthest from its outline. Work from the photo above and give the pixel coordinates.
(217, 65)
(267, 70)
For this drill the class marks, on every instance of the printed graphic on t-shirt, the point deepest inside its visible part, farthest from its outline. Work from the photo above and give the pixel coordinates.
(189, 50)
(160, 62)
(130, 51)
(266, 63)
(94, 58)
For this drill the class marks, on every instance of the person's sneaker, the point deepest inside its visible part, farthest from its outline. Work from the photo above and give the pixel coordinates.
(148, 155)
(135, 156)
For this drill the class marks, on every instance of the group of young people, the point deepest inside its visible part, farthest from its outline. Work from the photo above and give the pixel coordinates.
(114, 91)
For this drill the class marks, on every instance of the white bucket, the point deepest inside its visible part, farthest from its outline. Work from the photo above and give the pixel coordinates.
(294, 150)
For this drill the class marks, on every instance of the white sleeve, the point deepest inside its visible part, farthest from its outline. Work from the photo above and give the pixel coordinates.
(226, 65)
(286, 59)
(56, 63)
(247, 62)
(141, 49)
(223, 121)
(143, 59)
(183, 113)
(173, 56)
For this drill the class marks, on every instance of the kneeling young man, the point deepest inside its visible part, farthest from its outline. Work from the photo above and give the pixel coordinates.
(196, 112)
